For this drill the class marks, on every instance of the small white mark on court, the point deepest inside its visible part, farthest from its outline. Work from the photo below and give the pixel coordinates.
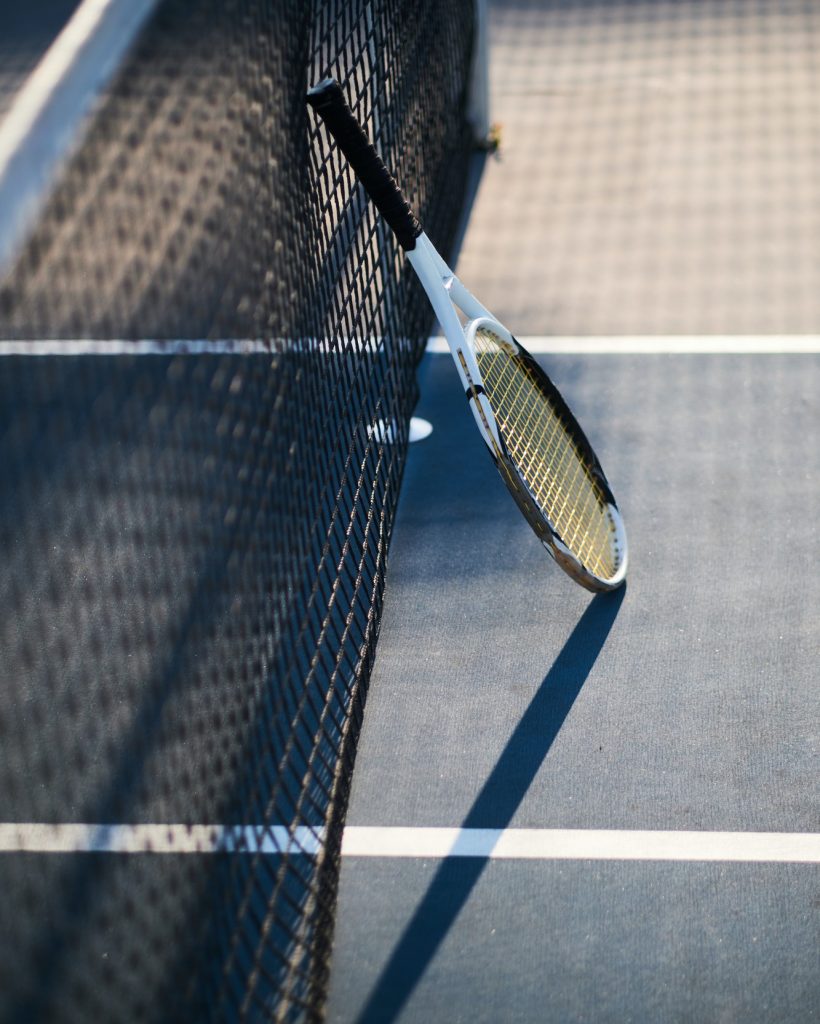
(419, 429)
(387, 431)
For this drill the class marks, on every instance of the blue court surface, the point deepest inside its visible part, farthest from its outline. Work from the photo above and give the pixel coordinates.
(675, 720)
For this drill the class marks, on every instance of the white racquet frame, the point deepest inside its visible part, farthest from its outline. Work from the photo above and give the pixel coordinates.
(447, 294)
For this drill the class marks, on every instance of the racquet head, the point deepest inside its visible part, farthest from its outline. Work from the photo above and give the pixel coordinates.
(544, 457)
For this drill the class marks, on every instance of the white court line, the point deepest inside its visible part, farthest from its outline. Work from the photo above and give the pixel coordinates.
(364, 841)
(117, 347)
(43, 124)
(785, 344)
(670, 344)
(31, 837)
(186, 346)
(581, 844)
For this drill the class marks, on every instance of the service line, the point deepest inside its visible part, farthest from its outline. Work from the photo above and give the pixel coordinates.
(404, 842)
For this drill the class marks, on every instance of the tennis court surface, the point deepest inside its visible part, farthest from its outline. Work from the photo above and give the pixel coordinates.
(297, 720)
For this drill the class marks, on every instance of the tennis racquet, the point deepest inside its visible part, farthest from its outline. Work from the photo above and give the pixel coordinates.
(540, 450)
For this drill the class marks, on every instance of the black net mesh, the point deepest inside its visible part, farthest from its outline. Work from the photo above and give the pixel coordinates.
(193, 544)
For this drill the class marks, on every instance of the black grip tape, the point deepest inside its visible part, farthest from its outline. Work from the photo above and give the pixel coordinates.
(329, 102)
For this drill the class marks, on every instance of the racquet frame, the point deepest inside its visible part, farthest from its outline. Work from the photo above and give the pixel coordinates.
(447, 294)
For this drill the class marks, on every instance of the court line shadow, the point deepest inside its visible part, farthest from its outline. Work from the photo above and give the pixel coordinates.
(494, 807)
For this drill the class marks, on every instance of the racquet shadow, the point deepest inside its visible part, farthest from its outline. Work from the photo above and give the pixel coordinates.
(494, 807)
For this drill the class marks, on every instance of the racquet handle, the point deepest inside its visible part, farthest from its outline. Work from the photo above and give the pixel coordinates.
(329, 102)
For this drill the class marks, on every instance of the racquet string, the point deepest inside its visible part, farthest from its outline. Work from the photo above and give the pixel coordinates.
(547, 457)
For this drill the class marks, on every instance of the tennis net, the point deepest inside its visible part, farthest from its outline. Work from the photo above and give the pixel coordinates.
(208, 366)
